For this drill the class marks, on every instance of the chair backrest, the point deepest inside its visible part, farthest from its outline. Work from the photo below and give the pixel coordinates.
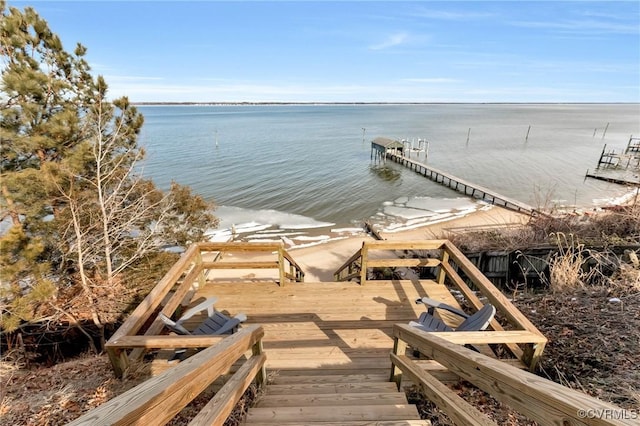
(478, 321)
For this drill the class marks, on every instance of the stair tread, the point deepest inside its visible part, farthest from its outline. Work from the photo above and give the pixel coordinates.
(292, 378)
(278, 415)
(330, 388)
(333, 399)
(408, 422)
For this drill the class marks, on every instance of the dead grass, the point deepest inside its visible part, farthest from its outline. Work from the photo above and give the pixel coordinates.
(566, 266)
(616, 227)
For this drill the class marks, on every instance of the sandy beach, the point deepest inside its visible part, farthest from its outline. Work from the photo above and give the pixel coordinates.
(319, 262)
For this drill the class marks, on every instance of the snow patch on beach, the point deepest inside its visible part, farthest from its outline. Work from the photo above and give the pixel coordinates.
(620, 200)
(272, 226)
(411, 213)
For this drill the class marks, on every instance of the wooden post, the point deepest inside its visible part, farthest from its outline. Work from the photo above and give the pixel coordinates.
(202, 279)
(363, 264)
(261, 377)
(119, 361)
(605, 130)
(399, 348)
(281, 265)
(442, 274)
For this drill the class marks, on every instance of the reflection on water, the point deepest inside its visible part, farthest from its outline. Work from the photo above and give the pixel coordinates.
(385, 173)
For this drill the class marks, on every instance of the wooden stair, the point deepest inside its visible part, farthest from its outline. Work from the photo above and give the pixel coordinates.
(347, 399)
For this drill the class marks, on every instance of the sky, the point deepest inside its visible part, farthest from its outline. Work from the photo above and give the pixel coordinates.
(357, 51)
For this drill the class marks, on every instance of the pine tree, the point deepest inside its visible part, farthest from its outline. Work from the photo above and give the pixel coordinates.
(80, 214)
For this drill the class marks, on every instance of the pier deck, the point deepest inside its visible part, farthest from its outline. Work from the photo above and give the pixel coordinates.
(462, 185)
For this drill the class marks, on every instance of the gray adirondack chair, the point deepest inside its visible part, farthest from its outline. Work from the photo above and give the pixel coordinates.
(476, 322)
(216, 323)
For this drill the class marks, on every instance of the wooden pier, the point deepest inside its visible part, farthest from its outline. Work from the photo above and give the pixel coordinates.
(457, 184)
(622, 168)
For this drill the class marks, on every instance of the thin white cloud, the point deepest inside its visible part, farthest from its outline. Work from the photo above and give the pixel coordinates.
(391, 41)
(436, 80)
(131, 78)
(452, 16)
(586, 26)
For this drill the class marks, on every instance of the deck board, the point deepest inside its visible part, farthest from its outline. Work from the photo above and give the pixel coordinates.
(338, 327)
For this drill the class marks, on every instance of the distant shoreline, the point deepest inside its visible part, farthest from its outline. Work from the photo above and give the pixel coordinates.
(248, 103)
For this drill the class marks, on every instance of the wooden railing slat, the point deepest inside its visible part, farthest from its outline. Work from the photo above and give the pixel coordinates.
(542, 400)
(241, 265)
(160, 398)
(216, 411)
(458, 410)
(164, 342)
(397, 263)
(142, 312)
(488, 289)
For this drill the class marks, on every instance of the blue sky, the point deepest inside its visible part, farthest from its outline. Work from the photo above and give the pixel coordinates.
(357, 51)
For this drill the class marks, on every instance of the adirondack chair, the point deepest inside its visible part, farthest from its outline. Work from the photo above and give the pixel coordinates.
(428, 322)
(216, 323)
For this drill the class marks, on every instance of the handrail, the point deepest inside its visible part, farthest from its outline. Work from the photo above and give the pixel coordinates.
(295, 272)
(542, 400)
(186, 274)
(486, 287)
(160, 398)
(348, 265)
(366, 262)
(450, 261)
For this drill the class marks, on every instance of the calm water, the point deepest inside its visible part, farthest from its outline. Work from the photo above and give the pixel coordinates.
(281, 170)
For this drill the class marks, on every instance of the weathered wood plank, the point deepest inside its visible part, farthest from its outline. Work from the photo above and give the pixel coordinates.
(405, 245)
(359, 423)
(459, 410)
(406, 263)
(239, 246)
(542, 400)
(216, 411)
(240, 265)
(330, 388)
(142, 312)
(334, 399)
(333, 413)
(316, 377)
(356, 423)
(487, 337)
(168, 390)
(164, 342)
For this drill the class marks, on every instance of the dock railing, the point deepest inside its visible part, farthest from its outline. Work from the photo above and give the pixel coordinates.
(452, 269)
(142, 330)
(542, 400)
(159, 399)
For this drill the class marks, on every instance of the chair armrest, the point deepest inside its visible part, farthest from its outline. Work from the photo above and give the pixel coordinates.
(435, 304)
(171, 325)
(207, 304)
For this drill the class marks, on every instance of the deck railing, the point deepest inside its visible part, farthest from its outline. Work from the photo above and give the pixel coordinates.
(159, 399)
(448, 264)
(175, 289)
(542, 400)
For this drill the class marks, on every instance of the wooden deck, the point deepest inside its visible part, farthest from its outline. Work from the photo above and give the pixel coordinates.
(333, 352)
(328, 327)
(328, 348)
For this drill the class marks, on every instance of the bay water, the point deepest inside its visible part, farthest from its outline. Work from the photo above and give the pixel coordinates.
(304, 173)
